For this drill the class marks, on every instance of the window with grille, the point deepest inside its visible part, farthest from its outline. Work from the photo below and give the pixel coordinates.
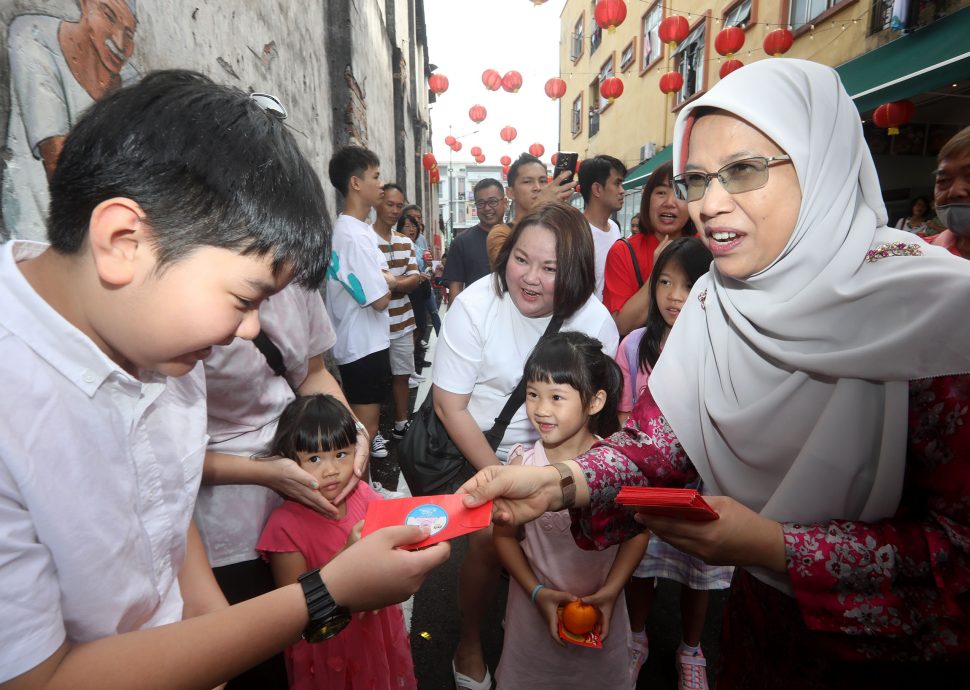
(577, 115)
(648, 35)
(579, 31)
(804, 11)
(689, 61)
(739, 15)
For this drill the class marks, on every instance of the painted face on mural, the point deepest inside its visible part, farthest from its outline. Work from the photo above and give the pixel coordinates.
(111, 29)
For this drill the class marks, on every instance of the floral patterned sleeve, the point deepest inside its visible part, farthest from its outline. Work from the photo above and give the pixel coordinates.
(903, 584)
(644, 453)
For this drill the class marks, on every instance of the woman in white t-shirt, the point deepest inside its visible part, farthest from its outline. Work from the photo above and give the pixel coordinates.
(545, 269)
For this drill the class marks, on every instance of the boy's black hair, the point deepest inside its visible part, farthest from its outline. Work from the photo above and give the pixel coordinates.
(597, 170)
(312, 423)
(488, 183)
(524, 159)
(695, 260)
(207, 165)
(350, 161)
(577, 360)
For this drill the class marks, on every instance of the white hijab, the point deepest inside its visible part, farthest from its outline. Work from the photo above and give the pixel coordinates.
(789, 389)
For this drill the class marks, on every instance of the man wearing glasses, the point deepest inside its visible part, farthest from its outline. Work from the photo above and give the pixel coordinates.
(468, 256)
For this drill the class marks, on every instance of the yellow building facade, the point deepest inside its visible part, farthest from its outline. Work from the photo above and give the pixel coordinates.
(638, 126)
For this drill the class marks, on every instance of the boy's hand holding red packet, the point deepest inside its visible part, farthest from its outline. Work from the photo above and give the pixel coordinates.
(446, 516)
(685, 504)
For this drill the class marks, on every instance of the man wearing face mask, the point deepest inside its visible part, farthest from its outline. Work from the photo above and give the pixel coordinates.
(951, 194)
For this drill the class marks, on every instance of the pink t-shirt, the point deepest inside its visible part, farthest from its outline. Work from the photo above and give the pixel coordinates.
(626, 353)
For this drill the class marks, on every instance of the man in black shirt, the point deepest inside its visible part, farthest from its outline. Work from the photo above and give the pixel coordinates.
(467, 256)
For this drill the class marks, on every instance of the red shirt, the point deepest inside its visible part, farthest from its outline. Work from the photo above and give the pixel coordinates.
(620, 280)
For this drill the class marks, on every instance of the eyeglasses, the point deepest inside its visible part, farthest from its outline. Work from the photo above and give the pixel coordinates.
(270, 104)
(491, 203)
(737, 177)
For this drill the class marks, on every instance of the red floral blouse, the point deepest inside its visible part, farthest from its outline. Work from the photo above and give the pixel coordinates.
(898, 587)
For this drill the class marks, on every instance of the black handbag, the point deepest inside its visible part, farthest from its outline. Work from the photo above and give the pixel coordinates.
(430, 461)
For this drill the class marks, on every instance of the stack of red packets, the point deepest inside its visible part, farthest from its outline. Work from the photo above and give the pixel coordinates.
(686, 504)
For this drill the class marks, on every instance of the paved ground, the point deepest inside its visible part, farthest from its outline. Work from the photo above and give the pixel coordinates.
(434, 620)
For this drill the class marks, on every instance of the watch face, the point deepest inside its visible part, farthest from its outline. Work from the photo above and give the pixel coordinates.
(328, 629)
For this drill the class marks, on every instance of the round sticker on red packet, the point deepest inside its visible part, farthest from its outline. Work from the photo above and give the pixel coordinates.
(430, 515)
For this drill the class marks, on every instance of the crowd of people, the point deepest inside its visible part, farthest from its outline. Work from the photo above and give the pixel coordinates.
(183, 479)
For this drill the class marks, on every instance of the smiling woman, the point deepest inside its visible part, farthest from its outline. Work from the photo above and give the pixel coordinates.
(544, 270)
(815, 382)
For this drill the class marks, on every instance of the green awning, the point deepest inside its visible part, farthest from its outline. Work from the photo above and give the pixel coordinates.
(636, 177)
(926, 59)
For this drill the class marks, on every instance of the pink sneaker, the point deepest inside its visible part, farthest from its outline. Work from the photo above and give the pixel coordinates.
(639, 651)
(691, 670)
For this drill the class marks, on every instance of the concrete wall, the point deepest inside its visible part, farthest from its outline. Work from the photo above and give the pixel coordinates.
(331, 62)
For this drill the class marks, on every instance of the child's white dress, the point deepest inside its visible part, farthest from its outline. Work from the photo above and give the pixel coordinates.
(531, 659)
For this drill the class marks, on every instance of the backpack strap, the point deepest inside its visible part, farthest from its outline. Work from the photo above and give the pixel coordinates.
(633, 258)
(274, 358)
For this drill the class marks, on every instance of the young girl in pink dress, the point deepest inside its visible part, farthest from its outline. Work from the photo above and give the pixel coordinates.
(677, 269)
(571, 395)
(373, 652)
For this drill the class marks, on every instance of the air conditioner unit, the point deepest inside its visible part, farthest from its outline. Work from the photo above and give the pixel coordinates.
(648, 151)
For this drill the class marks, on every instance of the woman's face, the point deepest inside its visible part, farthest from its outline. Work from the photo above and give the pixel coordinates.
(919, 208)
(410, 229)
(746, 231)
(531, 272)
(668, 214)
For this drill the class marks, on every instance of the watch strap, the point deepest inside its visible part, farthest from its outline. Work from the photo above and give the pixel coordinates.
(327, 618)
(567, 484)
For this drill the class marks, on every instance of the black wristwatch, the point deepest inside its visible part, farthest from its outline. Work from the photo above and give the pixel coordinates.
(326, 617)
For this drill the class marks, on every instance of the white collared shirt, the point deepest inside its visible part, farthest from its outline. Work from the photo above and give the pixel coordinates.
(98, 476)
(245, 399)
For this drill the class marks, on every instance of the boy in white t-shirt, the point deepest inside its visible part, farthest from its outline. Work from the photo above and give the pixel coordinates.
(359, 290)
(601, 184)
(161, 249)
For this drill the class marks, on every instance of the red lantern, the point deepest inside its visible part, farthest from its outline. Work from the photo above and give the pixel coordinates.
(537, 150)
(456, 146)
(429, 162)
(611, 89)
(610, 14)
(505, 160)
(477, 113)
(555, 88)
(475, 151)
(554, 158)
(673, 30)
(671, 82)
(508, 134)
(778, 42)
(434, 177)
(450, 140)
(479, 159)
(491, 79)
(729, 41)
(512, 81)
(893, 115)
(729, 66)
(505, 171)
(438, 83)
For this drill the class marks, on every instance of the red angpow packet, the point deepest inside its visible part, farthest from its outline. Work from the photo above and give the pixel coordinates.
(446, 515)
(686, 504)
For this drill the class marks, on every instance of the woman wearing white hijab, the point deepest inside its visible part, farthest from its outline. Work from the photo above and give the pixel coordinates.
(823, 406)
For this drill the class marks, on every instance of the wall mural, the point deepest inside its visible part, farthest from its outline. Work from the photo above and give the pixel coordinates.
(58, 67)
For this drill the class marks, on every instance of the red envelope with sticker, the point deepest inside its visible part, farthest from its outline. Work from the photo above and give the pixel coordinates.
(446, 515)
(686, 504)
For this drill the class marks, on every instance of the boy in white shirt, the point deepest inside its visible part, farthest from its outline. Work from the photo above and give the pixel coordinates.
(359, 290)
(161, 248)
(601, 184)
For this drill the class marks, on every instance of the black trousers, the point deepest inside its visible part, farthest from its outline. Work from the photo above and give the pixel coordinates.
(239, 582)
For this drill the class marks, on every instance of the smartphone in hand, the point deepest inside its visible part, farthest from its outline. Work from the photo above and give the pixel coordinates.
(565, 162)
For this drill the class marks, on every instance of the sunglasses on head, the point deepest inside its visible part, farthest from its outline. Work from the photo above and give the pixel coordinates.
(740, 176)
(271, 104)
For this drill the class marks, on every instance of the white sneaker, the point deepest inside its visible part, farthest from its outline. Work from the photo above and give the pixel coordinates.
(424, 343)
(378, 446)
(414, 382)
(386, 493)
